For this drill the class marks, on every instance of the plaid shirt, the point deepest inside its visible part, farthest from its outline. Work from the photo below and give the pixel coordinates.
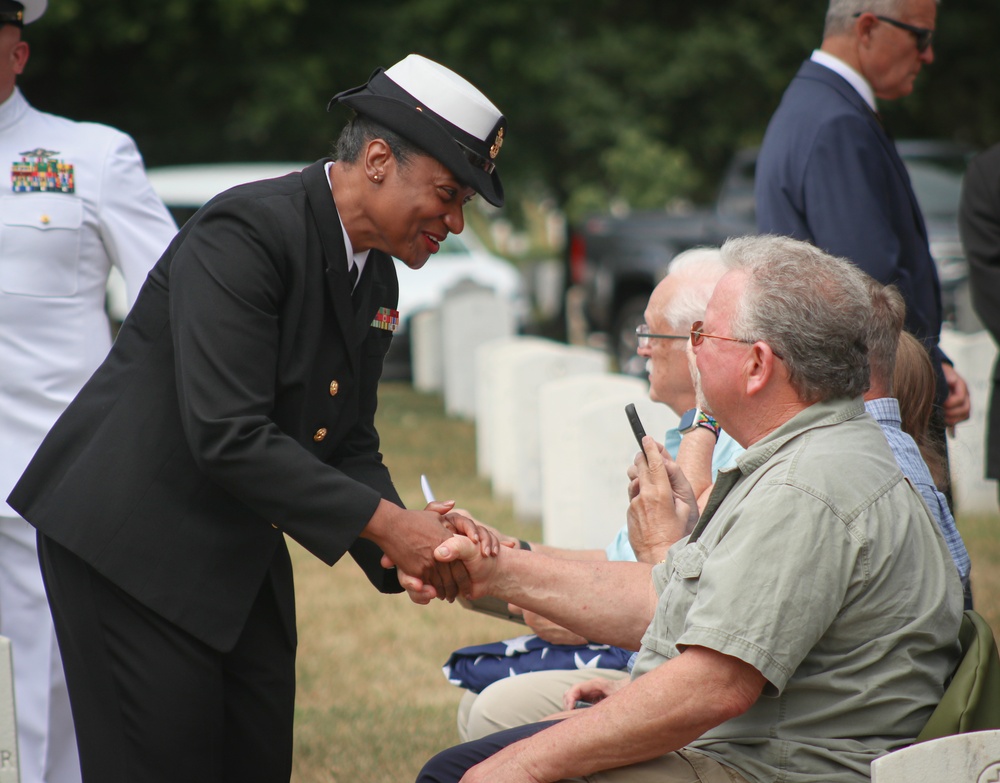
(885, 411)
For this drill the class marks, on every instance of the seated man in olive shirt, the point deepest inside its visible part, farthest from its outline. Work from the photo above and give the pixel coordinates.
(807, 625)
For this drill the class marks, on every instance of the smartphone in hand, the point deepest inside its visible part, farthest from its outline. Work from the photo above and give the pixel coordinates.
(637, 428)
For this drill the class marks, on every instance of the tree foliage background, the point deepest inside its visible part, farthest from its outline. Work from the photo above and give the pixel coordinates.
(639, 101)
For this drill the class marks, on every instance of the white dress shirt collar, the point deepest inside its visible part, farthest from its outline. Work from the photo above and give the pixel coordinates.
(352, 258)
(853, 78)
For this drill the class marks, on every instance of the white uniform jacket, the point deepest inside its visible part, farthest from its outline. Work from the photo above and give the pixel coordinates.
(76, 202)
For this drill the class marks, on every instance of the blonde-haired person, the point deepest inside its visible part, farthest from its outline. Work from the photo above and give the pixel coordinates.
(913, 382)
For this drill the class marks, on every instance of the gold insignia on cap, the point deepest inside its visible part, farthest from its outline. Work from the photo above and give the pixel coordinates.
(497, 144)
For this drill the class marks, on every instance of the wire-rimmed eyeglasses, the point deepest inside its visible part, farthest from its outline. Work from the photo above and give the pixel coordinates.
(924, 36)
(698, 337)
(643, 335)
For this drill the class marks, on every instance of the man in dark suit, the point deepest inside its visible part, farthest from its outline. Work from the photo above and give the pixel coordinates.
(979, 224)
(829, 173)
(237, 405)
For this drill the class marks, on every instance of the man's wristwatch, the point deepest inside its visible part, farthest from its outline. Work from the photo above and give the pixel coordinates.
(694, 418)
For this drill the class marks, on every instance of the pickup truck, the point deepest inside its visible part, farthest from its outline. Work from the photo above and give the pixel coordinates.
(614, 262)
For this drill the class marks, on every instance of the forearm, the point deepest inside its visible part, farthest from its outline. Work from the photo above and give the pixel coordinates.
(569, 554)
(387, 517)
(611, 603)
(694, 458)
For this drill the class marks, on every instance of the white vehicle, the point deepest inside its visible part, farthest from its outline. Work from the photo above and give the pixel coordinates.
(460, 257)
(185, 188)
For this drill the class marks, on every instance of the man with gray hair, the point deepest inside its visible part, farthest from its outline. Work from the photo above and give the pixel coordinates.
(829, 173)
(808, 623)
(676, 302)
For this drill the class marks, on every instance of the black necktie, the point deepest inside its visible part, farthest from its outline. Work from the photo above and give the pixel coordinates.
(881, 121)
(352, 274)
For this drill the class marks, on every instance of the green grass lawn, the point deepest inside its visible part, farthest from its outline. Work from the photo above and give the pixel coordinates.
(372, 703)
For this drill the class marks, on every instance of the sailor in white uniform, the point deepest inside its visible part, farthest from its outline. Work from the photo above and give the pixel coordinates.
(76, 203)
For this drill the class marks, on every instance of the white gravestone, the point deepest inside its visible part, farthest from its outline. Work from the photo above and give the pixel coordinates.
(608, 458)
(9, 772)
(534, 370)
(490, 367)
(587, 446)
(425, 350)
(961, 758)
(518, 370)
(973, 355)
(471, 315)
(564, 441)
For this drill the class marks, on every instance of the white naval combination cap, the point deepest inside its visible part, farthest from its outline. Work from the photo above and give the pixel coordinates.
(21, 12)
(440, 112)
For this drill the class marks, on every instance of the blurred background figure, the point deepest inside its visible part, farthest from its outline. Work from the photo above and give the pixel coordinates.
(829, 172)
(77, 204)
(979, 223)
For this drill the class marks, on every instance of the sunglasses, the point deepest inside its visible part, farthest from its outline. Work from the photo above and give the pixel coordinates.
(922, 35)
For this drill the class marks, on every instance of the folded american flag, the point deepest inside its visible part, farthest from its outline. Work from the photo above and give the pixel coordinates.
(483, 664)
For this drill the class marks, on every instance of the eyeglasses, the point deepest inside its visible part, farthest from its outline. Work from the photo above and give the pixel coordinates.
(922, 35)
(698, 337)
(643, 335)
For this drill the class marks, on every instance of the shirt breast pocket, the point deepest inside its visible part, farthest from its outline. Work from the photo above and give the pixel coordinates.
(687, 565)
(40, 244)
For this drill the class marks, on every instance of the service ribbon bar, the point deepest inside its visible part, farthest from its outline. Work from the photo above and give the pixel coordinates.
(386, 318)
(39, 171)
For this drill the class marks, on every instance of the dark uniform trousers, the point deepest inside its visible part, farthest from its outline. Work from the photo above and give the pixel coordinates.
(143, 672)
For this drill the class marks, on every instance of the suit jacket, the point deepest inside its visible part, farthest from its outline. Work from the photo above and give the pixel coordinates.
(829, 174)
(979, 224)
(237, 403)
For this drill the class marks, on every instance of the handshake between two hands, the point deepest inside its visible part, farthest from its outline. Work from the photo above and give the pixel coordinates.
(460, 561)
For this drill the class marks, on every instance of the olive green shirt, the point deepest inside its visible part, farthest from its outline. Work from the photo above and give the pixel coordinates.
(823, 570)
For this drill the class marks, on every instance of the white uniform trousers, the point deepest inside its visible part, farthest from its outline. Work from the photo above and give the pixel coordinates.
(46, 737)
